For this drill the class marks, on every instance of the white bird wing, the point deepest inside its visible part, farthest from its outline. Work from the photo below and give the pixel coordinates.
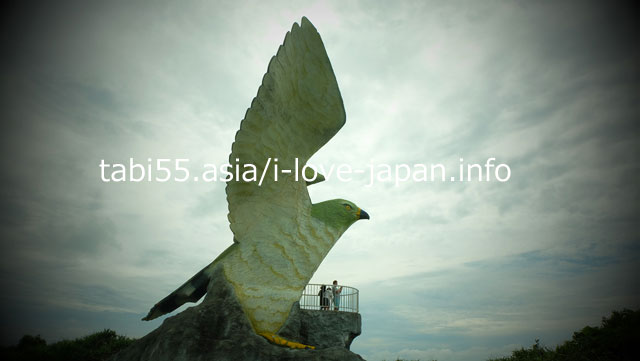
(297, 110)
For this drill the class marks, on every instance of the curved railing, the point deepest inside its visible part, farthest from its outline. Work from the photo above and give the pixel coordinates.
(348, 298)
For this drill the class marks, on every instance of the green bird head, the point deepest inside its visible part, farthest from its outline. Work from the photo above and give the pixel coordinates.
(338, 213)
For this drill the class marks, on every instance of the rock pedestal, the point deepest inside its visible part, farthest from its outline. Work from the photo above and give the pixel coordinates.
(322, 329)
(218, 329)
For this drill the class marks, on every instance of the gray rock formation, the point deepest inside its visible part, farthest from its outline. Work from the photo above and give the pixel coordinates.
(218, 329)
(322, 329)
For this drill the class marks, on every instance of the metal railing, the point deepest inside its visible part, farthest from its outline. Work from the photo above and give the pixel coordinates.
(314, 299)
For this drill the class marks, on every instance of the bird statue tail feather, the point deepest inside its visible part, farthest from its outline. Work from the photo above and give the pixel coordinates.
(190, 291)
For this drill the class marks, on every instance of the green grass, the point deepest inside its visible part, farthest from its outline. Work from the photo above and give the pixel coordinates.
(95, 347)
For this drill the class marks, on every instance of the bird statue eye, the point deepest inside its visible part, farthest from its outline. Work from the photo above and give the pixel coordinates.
(348, 207)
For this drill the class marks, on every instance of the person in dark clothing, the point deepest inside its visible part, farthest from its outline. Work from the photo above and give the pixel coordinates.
(324, 299)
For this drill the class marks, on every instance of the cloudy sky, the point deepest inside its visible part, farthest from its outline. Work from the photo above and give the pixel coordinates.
(446, 270)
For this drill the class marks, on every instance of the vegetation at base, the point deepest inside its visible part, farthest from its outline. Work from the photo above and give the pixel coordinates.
(616, 339)
(95, 347)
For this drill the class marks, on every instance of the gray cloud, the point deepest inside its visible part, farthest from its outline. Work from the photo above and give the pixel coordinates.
(551, 89)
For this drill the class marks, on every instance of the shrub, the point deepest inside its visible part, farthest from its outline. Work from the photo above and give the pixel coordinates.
(95, 347)
(615, 340)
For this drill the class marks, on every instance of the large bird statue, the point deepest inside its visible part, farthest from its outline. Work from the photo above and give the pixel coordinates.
(280, 238)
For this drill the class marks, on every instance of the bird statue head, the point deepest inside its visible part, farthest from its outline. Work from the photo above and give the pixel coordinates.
(338, 213)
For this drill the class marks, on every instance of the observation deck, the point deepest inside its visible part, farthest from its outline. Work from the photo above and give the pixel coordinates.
(347, 300)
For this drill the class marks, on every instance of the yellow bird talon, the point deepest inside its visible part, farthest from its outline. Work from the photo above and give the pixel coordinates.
(283, 342)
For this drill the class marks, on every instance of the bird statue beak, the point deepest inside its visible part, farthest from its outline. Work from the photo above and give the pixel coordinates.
(362, 214)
